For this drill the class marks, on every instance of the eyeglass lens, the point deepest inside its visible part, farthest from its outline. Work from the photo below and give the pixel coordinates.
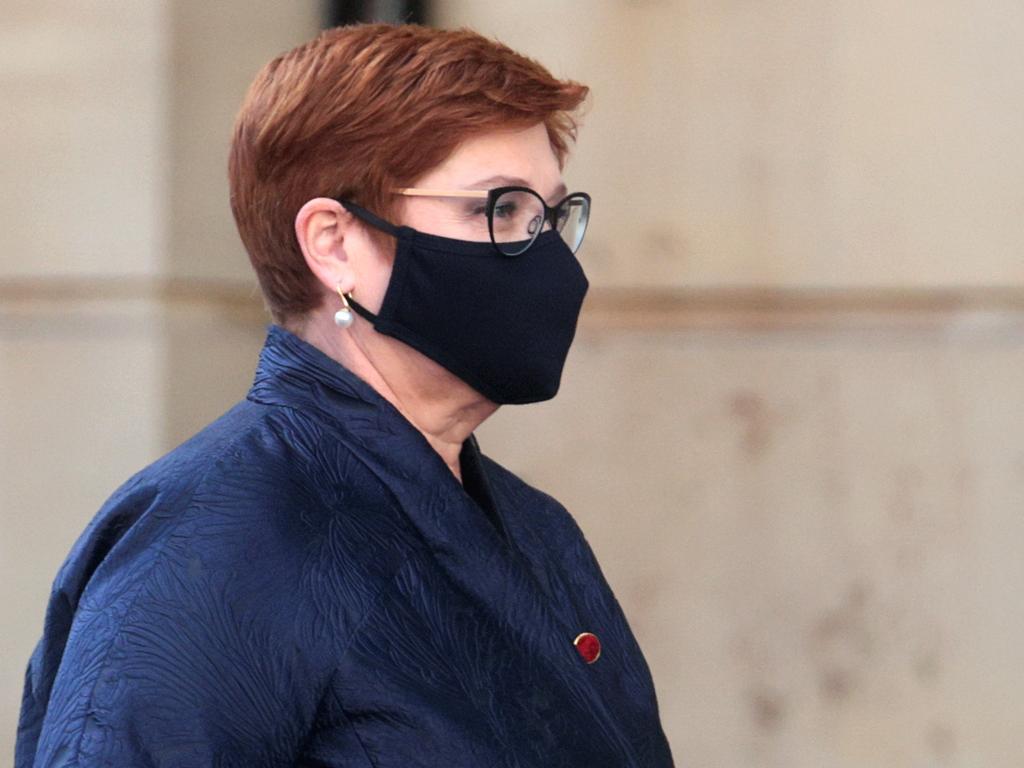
(572, 220)
(519, 216)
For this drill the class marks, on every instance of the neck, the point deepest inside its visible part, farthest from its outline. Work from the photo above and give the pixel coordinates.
(442, 407)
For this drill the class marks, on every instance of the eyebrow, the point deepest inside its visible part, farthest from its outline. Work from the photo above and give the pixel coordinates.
(514, 181)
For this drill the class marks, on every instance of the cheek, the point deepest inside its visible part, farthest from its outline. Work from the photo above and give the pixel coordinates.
(447, 218)
(375, 274)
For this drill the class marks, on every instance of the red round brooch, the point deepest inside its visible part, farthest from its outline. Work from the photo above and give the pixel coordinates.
(588, 646)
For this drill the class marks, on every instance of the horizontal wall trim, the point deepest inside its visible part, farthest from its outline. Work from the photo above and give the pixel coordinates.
(606, 307)
(91, 289)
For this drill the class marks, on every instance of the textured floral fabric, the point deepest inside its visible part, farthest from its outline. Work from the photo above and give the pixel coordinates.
(305, 583)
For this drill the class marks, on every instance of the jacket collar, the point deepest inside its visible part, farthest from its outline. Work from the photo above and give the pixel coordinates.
(291, 368)
(293, 373)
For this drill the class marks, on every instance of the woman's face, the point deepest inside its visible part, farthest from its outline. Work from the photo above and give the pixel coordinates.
(504, 158)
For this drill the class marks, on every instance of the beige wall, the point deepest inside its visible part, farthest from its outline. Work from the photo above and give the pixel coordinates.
(84, 126)
(805, 494)
(804, 142)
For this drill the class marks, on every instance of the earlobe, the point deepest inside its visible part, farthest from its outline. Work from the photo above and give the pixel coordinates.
(321, 229)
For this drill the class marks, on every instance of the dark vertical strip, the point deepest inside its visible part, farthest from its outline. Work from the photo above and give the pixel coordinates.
(417, 11)
(339, 12)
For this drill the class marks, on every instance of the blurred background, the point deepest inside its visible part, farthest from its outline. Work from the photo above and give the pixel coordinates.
(792, 426)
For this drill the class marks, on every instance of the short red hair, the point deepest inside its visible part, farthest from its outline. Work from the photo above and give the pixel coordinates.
(360, 110)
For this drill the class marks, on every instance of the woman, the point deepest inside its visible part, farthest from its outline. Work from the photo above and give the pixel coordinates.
(332, 574)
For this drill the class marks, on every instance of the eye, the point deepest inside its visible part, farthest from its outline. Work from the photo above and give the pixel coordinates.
(505, 209)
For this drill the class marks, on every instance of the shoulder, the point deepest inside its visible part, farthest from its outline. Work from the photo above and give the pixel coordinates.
(255, 472)
(244, 559)
(263, 511)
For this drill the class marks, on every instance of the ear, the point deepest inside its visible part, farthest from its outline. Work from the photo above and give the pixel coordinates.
(322, 228)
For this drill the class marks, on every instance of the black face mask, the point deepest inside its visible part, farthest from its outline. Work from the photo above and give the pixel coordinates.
(502, 324)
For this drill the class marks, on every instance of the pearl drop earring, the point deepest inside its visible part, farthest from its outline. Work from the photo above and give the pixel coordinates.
(343, 317)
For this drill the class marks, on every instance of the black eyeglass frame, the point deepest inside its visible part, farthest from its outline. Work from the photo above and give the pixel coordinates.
(550, 216)
(493, 195)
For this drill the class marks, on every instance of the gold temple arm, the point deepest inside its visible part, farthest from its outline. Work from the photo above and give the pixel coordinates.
(480, 194)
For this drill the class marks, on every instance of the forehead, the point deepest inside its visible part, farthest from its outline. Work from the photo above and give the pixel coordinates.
(485, 160)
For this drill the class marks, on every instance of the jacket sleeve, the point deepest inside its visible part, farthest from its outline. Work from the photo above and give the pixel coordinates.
(185, 657)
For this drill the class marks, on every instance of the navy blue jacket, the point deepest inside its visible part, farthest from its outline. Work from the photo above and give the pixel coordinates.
(305, 582)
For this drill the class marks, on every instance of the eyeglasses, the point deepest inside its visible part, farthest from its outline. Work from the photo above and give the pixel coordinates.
(517, 215)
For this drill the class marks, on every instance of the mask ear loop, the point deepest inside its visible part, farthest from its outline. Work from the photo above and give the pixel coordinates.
(360, 310)
(372, 219)
(377, 223)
